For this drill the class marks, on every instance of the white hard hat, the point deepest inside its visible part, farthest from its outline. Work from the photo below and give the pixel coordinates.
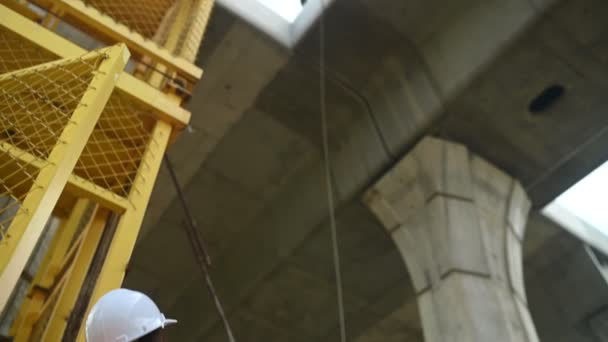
(122, 316)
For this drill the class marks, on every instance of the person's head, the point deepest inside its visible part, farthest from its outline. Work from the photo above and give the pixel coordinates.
(125, 316)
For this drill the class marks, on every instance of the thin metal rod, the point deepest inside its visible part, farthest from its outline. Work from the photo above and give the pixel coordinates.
(328, 179)
(190, 222)
(200, 252)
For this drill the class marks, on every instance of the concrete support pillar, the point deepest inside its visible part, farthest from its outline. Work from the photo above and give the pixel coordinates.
(459, 223)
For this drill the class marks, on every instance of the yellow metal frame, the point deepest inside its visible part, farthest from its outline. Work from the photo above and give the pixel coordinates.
(158, 103)
(164, 107)
(81, 15)
(123, 242)
(26, 229)
(48, 271)
(196, 30)
(76, 186)
(174, 33)
(19, 7)
(57, 284)
(66, 300)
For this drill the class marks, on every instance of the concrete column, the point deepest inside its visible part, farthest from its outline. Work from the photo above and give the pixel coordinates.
(459, 223)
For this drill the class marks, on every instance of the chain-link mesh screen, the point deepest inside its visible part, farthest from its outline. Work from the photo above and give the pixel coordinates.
(191, 37)
(115, 150)
(35, 107)
(17, 53)
(142, 16)
(116, 146)
(153, 19)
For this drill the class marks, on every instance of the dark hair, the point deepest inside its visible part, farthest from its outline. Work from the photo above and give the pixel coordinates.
(155, 336)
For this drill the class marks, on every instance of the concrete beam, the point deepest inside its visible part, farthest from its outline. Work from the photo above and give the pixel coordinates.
(301, 208)
(459, 224)
(266, 20)
(412, 84)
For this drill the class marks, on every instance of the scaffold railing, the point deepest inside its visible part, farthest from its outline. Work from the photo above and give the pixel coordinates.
(112, 156)
(164, 35)
(155, 19)
(82, 141)
(24, 43)
(48, 113)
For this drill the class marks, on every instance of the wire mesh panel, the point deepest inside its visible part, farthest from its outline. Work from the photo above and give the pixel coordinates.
(115, 149)
(47, 114)
(35, 107)
(113, 153)
(142, 16)
(191, 37)
(156, 19)
(127, 128)
(44, 317)
(17, 53)
(146, 27)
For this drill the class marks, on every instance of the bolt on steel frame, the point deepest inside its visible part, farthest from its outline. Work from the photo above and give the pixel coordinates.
(81, 142)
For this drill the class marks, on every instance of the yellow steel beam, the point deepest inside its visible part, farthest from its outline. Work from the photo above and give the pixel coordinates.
(69, 294)
(50, 301)
(46, 310)
(29, 312)
(87, 16)
(69, 256)
(47, 273)
(63, 242)
(29, 74)
(195, 32)
(175, 31)
(51, 21)
(159, 104)
(77, 186)
(164, 106)
(119, 253)
(26, 229)
(81, 187)
(22, 9)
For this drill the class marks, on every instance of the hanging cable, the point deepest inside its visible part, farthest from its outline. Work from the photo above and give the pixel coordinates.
(200, 251)
(328, 180)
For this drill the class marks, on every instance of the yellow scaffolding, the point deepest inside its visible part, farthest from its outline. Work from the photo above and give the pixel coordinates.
(48, 112)
(82, 141)
(25, 43)
(144, 25)
(50, 270)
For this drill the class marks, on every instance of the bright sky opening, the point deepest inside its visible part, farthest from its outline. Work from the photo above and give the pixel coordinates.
(588, 199)
(287, 9)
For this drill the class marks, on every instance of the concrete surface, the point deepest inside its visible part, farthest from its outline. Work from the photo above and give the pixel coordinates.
(458, 223)
(567, 295)
(396, 71)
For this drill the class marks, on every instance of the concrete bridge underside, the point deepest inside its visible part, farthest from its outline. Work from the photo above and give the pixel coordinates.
(465, 71)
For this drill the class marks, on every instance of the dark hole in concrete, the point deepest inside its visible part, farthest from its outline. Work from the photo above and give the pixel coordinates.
(546, 98)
